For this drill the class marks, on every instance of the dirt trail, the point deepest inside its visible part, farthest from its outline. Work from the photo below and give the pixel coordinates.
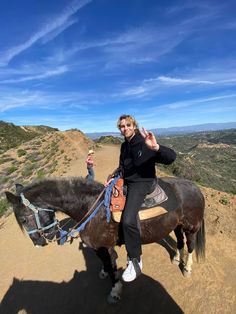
(64, 279)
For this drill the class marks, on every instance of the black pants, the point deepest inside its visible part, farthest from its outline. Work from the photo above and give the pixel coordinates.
(136, 192)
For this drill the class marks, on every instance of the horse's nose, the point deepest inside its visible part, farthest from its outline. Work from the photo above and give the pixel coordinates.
(39, 242)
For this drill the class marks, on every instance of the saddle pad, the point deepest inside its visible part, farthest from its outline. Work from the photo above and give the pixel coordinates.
(143, 214)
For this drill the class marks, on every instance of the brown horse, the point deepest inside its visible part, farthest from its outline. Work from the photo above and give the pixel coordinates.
(35, 206)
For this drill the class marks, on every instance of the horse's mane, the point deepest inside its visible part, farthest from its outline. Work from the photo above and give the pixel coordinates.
(73, 191)
(66, 184)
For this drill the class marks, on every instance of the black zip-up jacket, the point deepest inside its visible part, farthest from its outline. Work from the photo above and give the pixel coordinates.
(137, 161)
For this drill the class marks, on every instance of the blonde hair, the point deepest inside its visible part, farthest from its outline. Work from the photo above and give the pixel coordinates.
(128, 118)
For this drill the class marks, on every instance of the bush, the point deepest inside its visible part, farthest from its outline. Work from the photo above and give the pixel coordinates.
(223, 200)
(4, 179)
(41, 174)
(21, 152)
(3, 206)
(27, 171)
(11, 169)
(34, 157)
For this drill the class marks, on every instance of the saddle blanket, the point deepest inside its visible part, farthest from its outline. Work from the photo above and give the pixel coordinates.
(143, 214)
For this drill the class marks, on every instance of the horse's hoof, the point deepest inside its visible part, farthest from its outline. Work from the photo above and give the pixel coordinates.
(187, 273)
(103, 275)
(113, 299)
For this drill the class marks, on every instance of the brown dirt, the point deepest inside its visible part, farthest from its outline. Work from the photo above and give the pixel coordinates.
(64, 279)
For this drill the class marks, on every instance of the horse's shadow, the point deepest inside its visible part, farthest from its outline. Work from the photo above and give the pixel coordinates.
(86, 293)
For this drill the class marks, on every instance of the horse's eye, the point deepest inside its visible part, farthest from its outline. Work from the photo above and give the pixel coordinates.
(23, 220)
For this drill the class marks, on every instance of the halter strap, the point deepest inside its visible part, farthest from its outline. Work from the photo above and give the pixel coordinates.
(36, 211)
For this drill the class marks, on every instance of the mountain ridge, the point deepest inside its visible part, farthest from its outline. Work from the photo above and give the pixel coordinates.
(174, 130)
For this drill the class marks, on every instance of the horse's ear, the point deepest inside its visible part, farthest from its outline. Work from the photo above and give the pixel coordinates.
(12, 198)
(19, 188)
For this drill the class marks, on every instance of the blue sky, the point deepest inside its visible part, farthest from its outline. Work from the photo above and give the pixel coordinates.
(82, 63)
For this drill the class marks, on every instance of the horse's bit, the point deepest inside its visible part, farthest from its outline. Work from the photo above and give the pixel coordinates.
(36, 210)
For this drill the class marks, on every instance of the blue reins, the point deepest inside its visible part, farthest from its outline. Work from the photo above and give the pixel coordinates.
(64, 235)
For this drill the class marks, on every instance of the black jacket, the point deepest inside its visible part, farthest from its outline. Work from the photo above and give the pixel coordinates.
(137, 161)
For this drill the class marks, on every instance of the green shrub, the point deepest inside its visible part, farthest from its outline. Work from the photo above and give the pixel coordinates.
(34, 157)
(11, 169)
(41, 174)
(21, 152)
(28, 170)
(5, 179)
(223, 200)
(3, 206)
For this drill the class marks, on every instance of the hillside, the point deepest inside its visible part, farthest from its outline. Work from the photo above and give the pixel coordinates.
(109, 140)
(12, 135)
(49, 154)
(208, 158)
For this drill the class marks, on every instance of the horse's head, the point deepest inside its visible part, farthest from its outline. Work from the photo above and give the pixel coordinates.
(39, 223)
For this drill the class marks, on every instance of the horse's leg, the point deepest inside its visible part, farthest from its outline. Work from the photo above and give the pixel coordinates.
(102, 254)
(179, 255)
(191, 238)
(108, 258)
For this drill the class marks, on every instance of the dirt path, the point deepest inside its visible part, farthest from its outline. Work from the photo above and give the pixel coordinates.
(64, 279)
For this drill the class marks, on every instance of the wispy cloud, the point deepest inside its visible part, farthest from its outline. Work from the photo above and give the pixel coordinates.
(179, 81)
(66, 101)
(203, 78)
(58, 24)
(45, 74)
(191, 102)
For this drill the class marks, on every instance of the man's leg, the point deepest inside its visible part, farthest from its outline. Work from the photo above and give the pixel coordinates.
(135, 195)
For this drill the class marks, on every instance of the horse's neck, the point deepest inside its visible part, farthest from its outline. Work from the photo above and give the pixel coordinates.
(72, 201)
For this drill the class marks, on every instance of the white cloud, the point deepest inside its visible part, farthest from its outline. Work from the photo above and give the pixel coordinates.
(179, 81)
(45, 74)
(191, 102)
(58, 24)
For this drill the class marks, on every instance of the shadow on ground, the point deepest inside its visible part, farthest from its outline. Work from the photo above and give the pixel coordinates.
(85, 293)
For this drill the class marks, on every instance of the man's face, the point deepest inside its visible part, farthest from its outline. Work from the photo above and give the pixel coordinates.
(127, 128)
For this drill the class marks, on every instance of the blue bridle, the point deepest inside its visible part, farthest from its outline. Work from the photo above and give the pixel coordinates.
(36, 211)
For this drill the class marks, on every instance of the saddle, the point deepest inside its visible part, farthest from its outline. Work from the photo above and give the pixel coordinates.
(154, 198)
(149, 208)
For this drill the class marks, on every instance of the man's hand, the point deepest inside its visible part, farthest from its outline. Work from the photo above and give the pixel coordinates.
(150, 139)
(108, 180)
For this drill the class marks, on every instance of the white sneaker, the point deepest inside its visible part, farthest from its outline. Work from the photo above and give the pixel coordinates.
(133, 270)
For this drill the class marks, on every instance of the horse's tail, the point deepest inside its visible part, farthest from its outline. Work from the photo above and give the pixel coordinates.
(200, 242)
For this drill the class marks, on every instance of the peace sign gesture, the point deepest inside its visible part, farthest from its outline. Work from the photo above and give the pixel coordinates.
(150, 139)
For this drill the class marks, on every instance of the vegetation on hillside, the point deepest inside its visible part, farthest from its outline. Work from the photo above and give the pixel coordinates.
(109, 140)
(12, 136)
(47, 154)
(207, 158)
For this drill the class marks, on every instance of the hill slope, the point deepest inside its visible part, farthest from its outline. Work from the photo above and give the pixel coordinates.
(50, 154)
(12, 135)
(207, 158)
